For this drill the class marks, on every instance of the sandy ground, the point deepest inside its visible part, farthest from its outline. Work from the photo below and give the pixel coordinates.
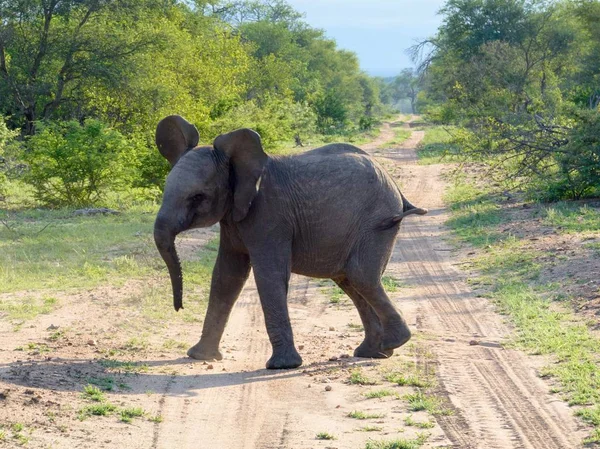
(497, 399)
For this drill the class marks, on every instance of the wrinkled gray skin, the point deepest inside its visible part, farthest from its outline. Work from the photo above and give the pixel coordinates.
(331, 213)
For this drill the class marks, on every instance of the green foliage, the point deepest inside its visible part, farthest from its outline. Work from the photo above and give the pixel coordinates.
(358, 378)
(438, 145)
(399, 443)
(71, 164)
(325, 436)
(252, 63)
(420, 401)
(379, 393)
(6, 139)
(52, 249)
(127, 414)
(357, 414)
(93, 393)
(520, 80)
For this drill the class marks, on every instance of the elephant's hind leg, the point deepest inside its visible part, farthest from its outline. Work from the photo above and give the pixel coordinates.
(366, 279)
(371, 347)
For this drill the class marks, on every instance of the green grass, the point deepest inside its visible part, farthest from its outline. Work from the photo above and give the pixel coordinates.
(437, 146)
(104, 383)
(409, 421)
(572, 218)
(370, 429)
(93, 393)
(382, 393)
(123, 366)
(357, 377)
(595, 247)
(156, 419)
(174, 344)
(356, 327)
(27, 308)
(34, 347)
(511, 272)
(419, 401)
(408, 374)
(325, 436)
(411, 380)
(398, 443)
(357, 414)
(400, 136)
(101, 409)
(54, 249)
(475, 216)
(136, 344)
(390, 284)
(128, 414)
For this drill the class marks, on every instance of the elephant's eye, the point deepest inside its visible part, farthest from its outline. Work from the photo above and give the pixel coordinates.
(197, 199)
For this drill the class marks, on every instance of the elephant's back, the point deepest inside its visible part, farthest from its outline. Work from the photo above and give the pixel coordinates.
(337, 196)
(334, 149)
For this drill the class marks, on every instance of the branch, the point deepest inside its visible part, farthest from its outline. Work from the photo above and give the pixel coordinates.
(48, 14)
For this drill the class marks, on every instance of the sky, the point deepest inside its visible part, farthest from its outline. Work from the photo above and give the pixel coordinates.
(378, 31)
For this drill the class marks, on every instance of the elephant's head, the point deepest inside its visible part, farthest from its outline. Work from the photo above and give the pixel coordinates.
(205, 185)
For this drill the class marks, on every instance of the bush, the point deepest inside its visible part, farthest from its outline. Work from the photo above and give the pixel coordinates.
(275, 119)
(6, 139)
(76, 165)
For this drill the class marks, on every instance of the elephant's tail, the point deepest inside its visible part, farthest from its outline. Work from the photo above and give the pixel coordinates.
(407, 209)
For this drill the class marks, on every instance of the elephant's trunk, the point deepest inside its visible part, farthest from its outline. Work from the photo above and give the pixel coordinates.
(164, 237)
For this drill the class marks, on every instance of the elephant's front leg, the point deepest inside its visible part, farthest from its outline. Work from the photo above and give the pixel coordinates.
(272, 275)
(229, 276)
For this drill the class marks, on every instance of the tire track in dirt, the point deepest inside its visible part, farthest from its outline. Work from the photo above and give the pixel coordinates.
(250, 403)
(498, 399)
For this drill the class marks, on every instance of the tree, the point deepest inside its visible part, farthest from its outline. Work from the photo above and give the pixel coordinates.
(50, 49)
(406, 85)
(514, 74)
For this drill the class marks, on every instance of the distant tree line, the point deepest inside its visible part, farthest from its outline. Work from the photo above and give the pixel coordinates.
(83, 84)
(521, 81)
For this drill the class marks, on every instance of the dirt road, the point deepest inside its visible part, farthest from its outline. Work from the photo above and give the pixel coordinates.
(496, 399)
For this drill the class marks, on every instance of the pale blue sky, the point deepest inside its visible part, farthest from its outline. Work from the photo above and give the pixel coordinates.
(378, 31)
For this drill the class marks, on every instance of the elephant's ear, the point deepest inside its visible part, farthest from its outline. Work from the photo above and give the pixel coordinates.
(174, 136)
(245, 152)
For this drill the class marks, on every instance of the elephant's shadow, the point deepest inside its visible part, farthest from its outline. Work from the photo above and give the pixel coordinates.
(166, 377)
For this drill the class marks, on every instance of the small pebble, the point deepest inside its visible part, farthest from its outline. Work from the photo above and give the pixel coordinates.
(345, 356)
(300, 347)
(333, 359)
(473, 342)
(209, 367)
(92, 342)
(331, 328)
(328, 388)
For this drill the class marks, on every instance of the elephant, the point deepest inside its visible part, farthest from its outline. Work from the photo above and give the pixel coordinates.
(331, 212)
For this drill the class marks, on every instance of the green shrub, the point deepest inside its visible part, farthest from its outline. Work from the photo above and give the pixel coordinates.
(578, 173)
(6, 138)
(77, 165)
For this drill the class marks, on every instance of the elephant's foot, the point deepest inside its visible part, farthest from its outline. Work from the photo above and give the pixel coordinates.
(284, 359)
(395, 335)
(199, 353)
(369, 350)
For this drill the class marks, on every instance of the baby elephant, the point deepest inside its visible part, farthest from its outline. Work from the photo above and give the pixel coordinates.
(330, 213)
